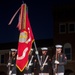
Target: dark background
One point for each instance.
(40, 16)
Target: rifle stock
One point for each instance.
(9, 62)
(56, 58)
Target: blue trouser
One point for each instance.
(14, 70)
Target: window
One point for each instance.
(68, 51)
(2, 59)
(62, 28)
(71, 27)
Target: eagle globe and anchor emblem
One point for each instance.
(24, 39)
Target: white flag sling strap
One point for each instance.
(44, 63)
(30, 64)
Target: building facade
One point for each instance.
(64, 33)
(3, 62)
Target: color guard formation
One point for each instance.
(42, 66)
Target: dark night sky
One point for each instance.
(40, 15)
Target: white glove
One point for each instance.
(10, 72)
(36, 52)
(30, 64)
(9, 64)
(56, 62)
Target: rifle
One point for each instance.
(56, 58)
(9, 63)
(36, 52)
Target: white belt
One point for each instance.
(28, 74)
(43, 73)
(13, 74)
(59, 74)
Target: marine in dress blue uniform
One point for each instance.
(29, 70)
(45, 62)
(58, 61)
(12, 62)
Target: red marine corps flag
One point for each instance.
(25, 39)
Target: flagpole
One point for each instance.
(37, 53)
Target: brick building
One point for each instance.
(64, 33)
